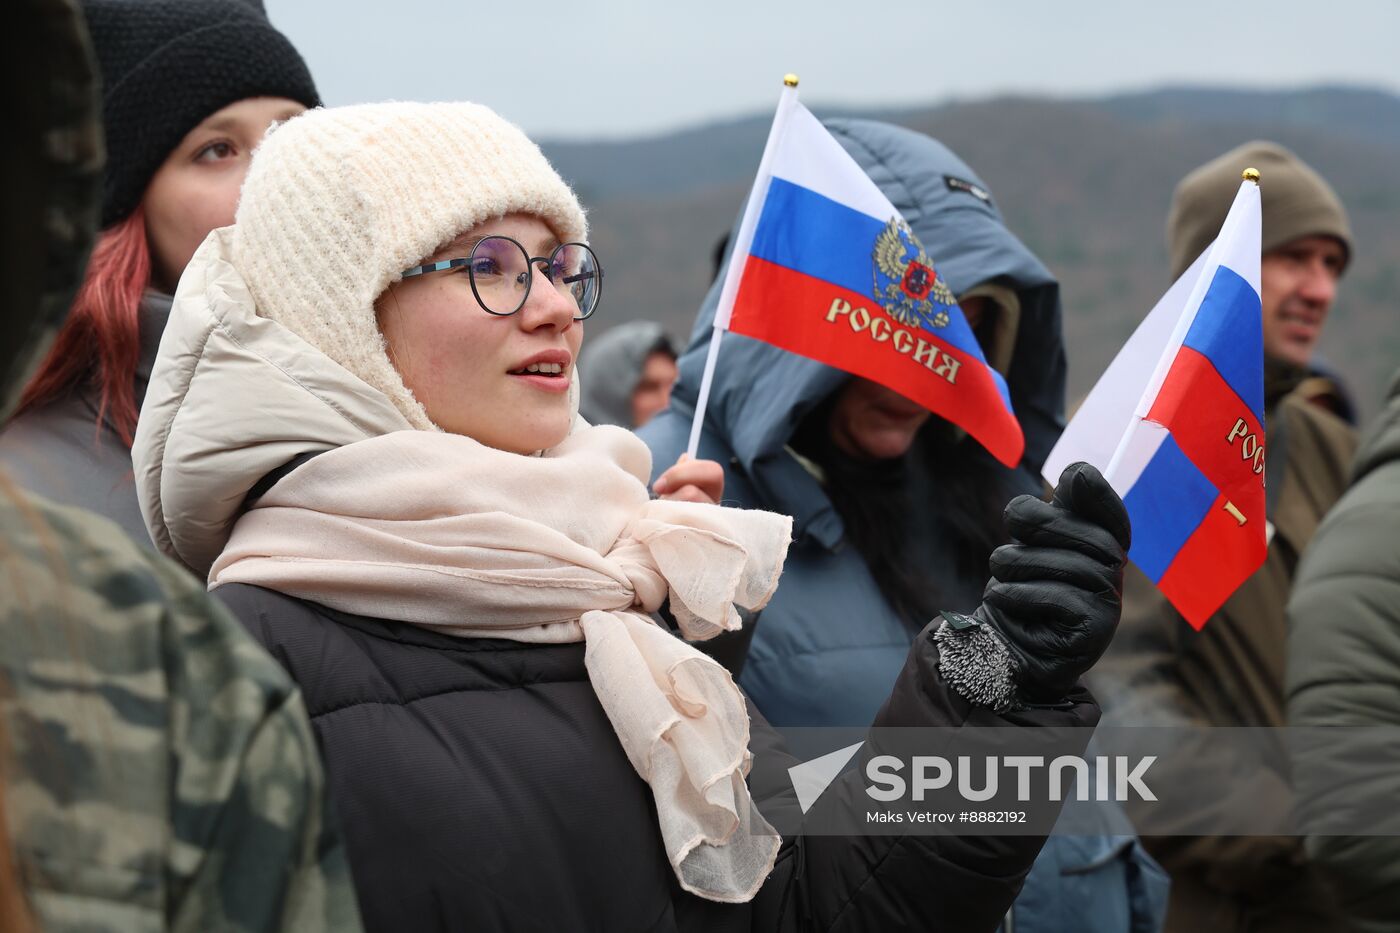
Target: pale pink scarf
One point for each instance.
(439, 530)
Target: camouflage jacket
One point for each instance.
(161, 772)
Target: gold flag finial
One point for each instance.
(1250, 174)
(790, 80)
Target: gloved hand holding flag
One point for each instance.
(825, 267)
(1176, 424)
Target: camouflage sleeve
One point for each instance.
(254, 843)
(160, 772)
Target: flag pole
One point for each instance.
(1249, 175)
(740, 247)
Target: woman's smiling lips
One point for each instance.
(547, 371)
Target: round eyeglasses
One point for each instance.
(501, 273)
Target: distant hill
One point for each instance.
(1085, 183)
(1362, 114)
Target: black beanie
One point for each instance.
(166, 66)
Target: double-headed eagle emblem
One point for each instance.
(906, 284)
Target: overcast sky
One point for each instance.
(616, 69)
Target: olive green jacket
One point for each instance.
(1344, 669)
(1159, 671)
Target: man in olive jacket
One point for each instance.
(1160, 671)
(1344, 670)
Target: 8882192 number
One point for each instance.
(996, 816)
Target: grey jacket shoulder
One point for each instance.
(66, 452)
(63, 453)
(164, 771)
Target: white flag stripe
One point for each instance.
(1137, 454)
(743, 240)
(810, 156)
(738, 254)
(1241, 224)
(1108, 430)
(1239, 239)
(1104, 415)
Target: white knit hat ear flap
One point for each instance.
(338, 202)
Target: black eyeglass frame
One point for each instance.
(530, 263)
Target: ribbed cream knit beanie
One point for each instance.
(338, 202)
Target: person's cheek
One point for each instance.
(222, 203)
(203, 204)
(198, 222)
(173, 222)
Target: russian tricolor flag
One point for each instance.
(825, 267)
(1177, 425)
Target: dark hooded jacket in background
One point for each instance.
(1344, 670)
(610, 367)
(51, 166)
(829, 644)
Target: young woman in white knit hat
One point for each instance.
(362, 427)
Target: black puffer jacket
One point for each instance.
(481, 787)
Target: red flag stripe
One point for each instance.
(1210, 566)
(1216, 430)
(813, 318)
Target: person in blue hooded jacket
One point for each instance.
(895, 510)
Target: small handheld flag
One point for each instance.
(1176, 423)
(825, 267)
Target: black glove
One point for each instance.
(1054, 598)
(1057, 590)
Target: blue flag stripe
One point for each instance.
(812, 234)
(816, 236)
(1166, 505)
(1227, 331)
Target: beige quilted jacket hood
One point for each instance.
(233, 397)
